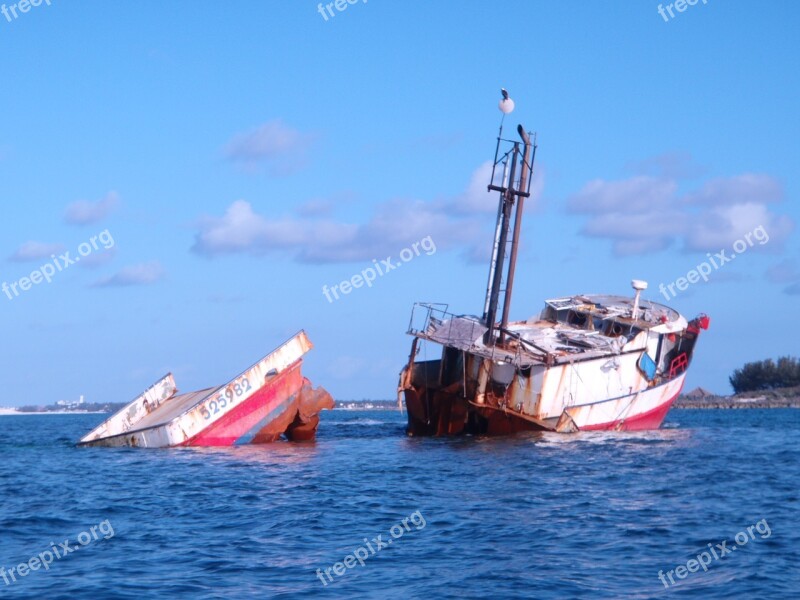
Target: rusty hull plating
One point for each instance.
(578, 366)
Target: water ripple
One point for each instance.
(590, 515)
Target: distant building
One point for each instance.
(367, 404)
(71, 404)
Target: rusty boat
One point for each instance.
(585, 362)
(269, 400)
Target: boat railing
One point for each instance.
(423, 312)
(678, 365)
(432, 321)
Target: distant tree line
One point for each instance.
(766, 375)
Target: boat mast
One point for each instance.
(508, 195)
(496, 245)
(528, 156)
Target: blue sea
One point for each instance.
(366, 512)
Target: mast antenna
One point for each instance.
(513, 189)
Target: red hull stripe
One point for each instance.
(651, 419)
(244, 421)
(273, 414)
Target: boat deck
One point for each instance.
(570, 328)
(172, 408)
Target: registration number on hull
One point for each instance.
(227, 398)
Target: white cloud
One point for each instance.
(84, 212)
(394, 226)
(30, 251)
(242, 230)
(639, 193)
(140, 274)
(721, 226)
(645, 214)
(478, 200)
(98, 258)
(274, 145)
(313, 235)
(748, 188)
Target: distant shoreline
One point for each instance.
(780, 398)
(786, 398)
(730, 404)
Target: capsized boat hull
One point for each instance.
(268, 400)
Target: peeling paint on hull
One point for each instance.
(451, 416)
(651, 419)
(498, 390)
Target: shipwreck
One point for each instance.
(268, 400)
(585, 362)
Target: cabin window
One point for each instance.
(576, 319)
(614, 329)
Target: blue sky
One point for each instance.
(243, 155)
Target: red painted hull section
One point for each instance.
(246, 423)
(651, 419)
(269, 400)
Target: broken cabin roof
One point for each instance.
(568, 329)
